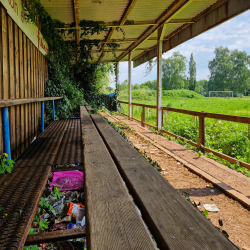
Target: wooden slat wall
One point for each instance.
(22, 75)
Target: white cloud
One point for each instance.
(235, 34)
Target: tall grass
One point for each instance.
(226, 137)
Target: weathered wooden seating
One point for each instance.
(112, 221)
(173, 221)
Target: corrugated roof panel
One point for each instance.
(125, 58)
(69, 37)
(130, 32)
(106, 11)
(147, 44)
(110, 56)
(194, 9)
(61, 10)
(136, 53)
(96, 56)
(172, 27)
(125, 45)
(145, 10)
(100, 36)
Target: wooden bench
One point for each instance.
(20, 193)
(21, 190)
(173, 221)
(112, 221)
(90, 109)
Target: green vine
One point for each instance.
(71, 75)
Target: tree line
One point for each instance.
(229, 71)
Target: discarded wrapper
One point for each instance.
(73, 208)
(211, 207)
(65, 219)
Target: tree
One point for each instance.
(201, 87)
(192, 73)
(123, 86)
(229, 71)
(149, 85)
(173, 69)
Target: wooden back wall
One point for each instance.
(22, 75)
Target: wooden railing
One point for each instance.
(200, 144)
(21, 101)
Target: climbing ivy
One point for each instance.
(74, 81)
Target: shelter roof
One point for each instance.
(140, 20)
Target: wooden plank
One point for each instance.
(22, 101)
(1, 63)
(17, 90)
(173, 221)
(29, 91)
(5, 65)
(26, 107)
(36, 92)
(32, 90)
(44, 74)
(112, 221)
(22, 113)
(232, 118)
(60, 235)
(35, 84)
(1, 82)
(12, 93)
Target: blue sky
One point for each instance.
(235, 34)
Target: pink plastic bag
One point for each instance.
(67, 180)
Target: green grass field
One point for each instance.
(227, 137)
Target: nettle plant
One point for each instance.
(6, 164)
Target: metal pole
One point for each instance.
(129, 86)
(6, 132)
(42, 116)
(54, 113)
(161, 32)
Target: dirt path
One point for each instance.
(235, 217)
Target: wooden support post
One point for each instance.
(143, 117)
(161, 32)
(129, 86)
(117, 75)
(201, 139)
(162, 119)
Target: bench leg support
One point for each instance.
(42, 116)
(6, 132)
(53, 105)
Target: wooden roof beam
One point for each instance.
(166, 16)
(144, 23)
(195, 19)
(123, 19)
(77, 19)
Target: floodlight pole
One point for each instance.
(161, 32)
(129, 86)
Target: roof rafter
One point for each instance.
(195, 19)
(77, 19)
(123, 19)
(144, 23)
(166, 16)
